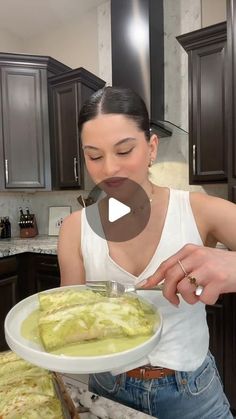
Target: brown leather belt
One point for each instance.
(147, 372)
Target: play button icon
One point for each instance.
(121, 212)
(116, 209)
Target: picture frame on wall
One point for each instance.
(55, 219)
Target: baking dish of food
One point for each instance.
(32, 392)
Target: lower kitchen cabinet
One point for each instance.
(231, 98)
(215, 320)
(37, 272)
(46, 272)
(230, 349)
(8, 292)
(221, 319)
(22, 276)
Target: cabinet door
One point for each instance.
(215, 320)
(230, 349)
(2, 165)
(222, 327)
(8, 300)
(68, 92)
(47, 273)
(24, 127)
(46, 282)
(208, 154)
(232, 188)
(8, 291)
(37, 272)
(231, 97)
(206, 49)
(65, 133)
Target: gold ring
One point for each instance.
(192, 280)
(184, 271)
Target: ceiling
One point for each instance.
(29, 18)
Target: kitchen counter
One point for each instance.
(38, 244)
(91, 406)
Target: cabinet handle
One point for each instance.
(49, 265)
(75, 169)
(6, 170)
(194, 159)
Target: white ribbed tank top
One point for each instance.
(184, 340)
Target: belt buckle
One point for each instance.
(150, 367)
(142, 373)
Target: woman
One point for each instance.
(181, 380)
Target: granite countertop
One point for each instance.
(91, 406)
(38, 244)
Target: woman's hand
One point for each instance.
(213, 269)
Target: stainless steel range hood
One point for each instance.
(137, 40)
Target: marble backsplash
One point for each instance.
(38, 203)
(179, 17)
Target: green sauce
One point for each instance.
(29, 327)
(29, 330)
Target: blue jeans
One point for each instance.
(185, 395)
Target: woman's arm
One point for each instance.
(69, 251)
(214, 269)
(215, 218)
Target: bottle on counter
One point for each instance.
(2, 232)
(7, 227)
(22, 218)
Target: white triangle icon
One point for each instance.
(116, 210)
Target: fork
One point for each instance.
(116, 289)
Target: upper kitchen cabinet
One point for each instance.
(24, 121)
(206, 50)
(231, 98)
(68, 92)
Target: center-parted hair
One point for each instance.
(116, 100)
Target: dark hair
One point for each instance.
(116, 100)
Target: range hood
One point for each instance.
(137, 41)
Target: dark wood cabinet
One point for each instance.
(68, 92)
(40, 99)
(8, 292)
(221, 319)
(206, 50)
(37, 272)
(230, 349)
(47, 273)
(231, 98)
(24, 131)
(22, 276)
(215, 320)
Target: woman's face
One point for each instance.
(114, 147)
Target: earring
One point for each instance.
(150, 163)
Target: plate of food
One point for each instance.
(75, 330)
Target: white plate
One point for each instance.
(35, 353)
